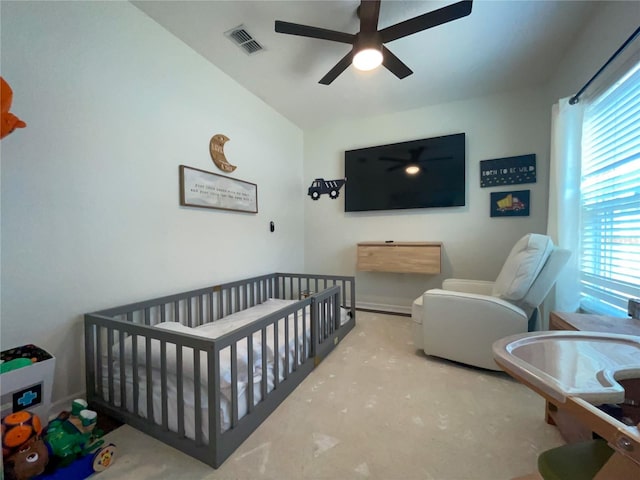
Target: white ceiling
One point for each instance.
(502, 45)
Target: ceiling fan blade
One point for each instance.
(394, 64)
(340, 67)
(396, 167)
(313, 32)
(435, 159)
(416, 152)
(369, 11)
(428, 20)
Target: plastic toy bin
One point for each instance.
(26, 381)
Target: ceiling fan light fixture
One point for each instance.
(369, 44)
(412, 169)
(367, 59)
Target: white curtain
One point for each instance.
(563, 223)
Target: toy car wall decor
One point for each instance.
(320, 186)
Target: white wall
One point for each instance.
(90, 213)
(475, 245)
(609, 27)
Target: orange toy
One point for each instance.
(9, 122)
(17, 428)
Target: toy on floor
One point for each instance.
(24, 453)
(28, 461)
(17, 428)
(75, 444)
(71, 435)
(70, 448)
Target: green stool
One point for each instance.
(575, 461)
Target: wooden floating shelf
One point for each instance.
(400, 257)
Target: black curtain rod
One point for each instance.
(576, 98)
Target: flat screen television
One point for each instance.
(379, 178)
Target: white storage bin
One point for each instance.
(28, 387)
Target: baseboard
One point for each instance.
(383, 307)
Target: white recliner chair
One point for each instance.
(461, 321)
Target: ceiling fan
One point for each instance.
(368, 49)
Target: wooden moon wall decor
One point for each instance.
(216, 148)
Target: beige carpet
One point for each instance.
(376, 409)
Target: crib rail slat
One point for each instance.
(90, 359)
(234, 384)
(213, 307)
(297, 340)
(220, 304)
(110, 363)
(306, 332)
(286, 347)
(164, 395)
(123, 380)
(197, 396)
(99, 356)
(276, 364)
(250, 401)
(263, 383)
(136, 375)
(213, 401)
(180, 392)
(149, 376)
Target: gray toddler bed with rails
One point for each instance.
(201, 370)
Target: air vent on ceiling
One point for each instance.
(243, 39)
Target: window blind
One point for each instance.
(610, 198)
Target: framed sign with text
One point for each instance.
(199, 188)
(508, 171)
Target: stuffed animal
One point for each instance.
(17, 429)
(8, 121)
(24, 452)
(30, 460)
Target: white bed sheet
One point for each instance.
(188, 400)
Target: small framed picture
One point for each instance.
(510, 204)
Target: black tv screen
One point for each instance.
(378, 178)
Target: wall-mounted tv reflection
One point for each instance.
(427, 173)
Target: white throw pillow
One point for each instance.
(521, 268)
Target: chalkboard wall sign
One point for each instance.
(508, 171)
